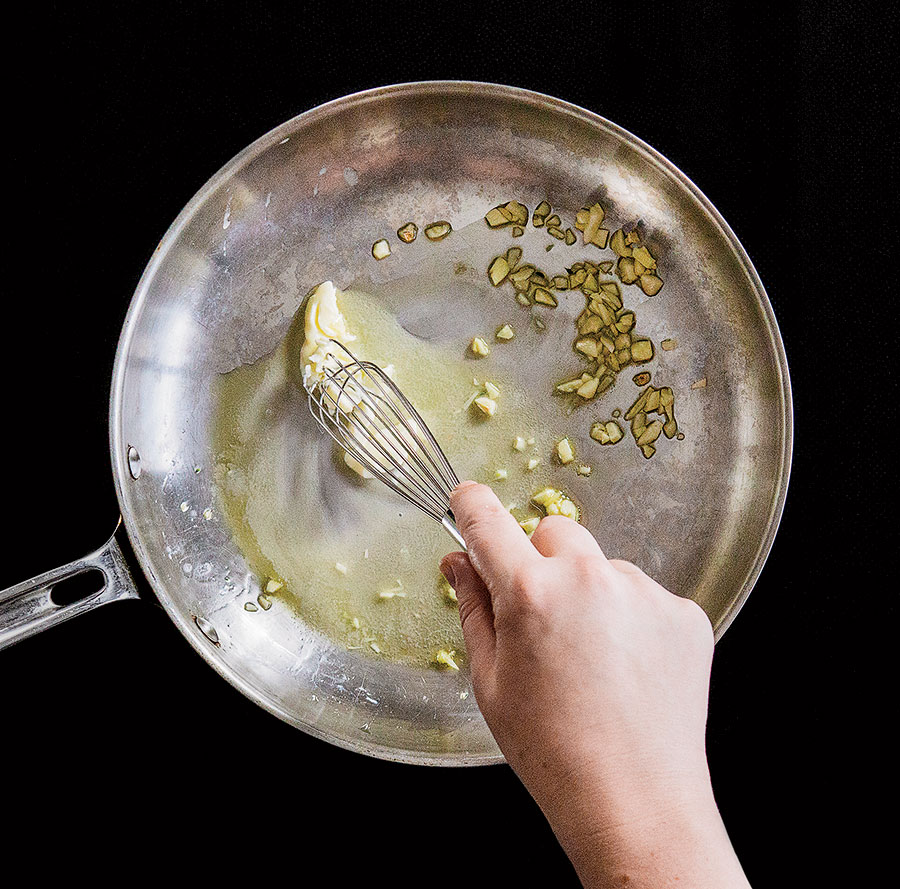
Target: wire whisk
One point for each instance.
(365, 412)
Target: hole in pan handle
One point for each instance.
(65, 592)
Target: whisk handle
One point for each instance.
(449, 522)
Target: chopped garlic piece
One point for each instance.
(447, 590)
(471, 399)
(575, 384)
(394, 591)
(340, 567)
(437, 231)
(498, 271)
(588, 389)
(644, 257)
(505, 333)
(641, 351)
(491, 390)
(273, 586)
(496, 218)
(565, 451)
(479, 347)
(486, 405)
(529, 526)
(607, 433)
(445, 658)
(519, 443)
(533, 462)
(381, 249)
(584, 470)
(650, 284)
(408, 232)
(555, 502)
(501, 474)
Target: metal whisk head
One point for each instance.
(365, 412)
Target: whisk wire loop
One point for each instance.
(365, 412)
(377, 438)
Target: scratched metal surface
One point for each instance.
(301, 205)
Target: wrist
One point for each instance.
(651, 840)
(614, 822)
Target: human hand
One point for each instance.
(594, 681)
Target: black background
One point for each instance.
(122, 115)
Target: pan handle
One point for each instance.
(28, 607)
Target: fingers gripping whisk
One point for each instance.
(365, 412)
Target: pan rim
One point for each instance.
(489, 90)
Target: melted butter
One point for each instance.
(297, 511)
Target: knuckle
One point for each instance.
(697, 620)
(553, 524)
(693, 626)
(525, 595)
(588, 571)
(626, 567)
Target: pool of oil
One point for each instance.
(335, 541)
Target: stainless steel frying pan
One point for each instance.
(304, 203)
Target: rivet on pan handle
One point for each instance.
(28, 607)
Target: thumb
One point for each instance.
(475, 612)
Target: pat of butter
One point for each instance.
(318, 355)
(324, 322)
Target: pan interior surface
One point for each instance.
(304, 204)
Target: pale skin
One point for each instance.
(594, 680)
